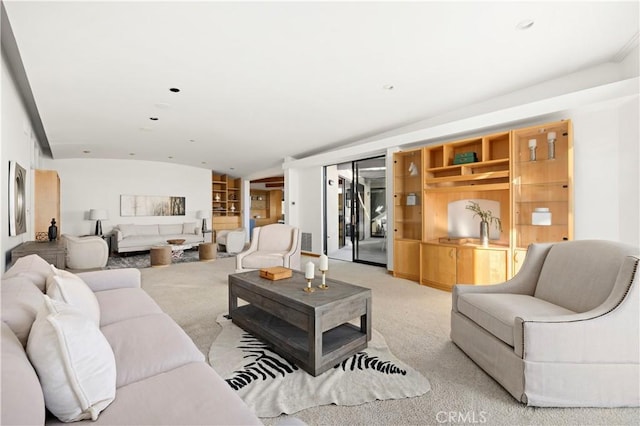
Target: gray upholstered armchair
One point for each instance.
(564, 332)
(271, 245)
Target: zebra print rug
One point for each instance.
(271, 386)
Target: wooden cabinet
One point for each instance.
(226, 201)
(266, 206)
(225, 195)
(542, 184)
(533, 196)
(46, 201)
(407, 213)
(445, 265)
(439, 266)
(542, 168)
(406, 255)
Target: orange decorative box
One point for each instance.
(275, 273)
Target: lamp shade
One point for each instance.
(98, 214)
(201, 214)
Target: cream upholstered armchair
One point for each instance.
(231, 241)
(86, 252)
(271, 245)
(564, 332)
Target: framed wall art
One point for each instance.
(150, 205)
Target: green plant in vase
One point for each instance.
(486, 218)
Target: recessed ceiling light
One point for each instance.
(132, 153)
(170, 157)
(388, 87)
(153, 118)
(232, 168)
(525, 24)
(86, 151)
(174, 90)
(204, 162)
(192, 140)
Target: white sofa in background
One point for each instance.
(231, 240)
(564, 331)
(85, 252)
(129, 238)
(148, 368)
(271, 245)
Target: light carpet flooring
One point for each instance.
(413, 319)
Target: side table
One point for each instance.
(52, 251)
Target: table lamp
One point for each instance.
(202, 215)
(98, 215)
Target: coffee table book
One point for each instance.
(275, 273)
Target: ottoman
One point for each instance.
(207, 251)
(160, 255)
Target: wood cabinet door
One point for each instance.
(406, 260)
(481, 266)
(439, 266)
(518, 259)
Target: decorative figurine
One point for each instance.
(53, 230)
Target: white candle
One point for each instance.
(309, 270)
(551, 135)
(324, 263)
(532, 143)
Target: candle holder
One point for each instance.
(308, 288)
(324, 285)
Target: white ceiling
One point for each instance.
(263, 81)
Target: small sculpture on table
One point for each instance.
(53, 230)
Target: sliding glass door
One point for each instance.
(356, 211)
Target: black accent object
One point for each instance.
(53, 230)
(174, 90)
(98, 227)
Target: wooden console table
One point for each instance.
(53, 252)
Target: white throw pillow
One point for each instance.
(127, 230)
(75, 364)
(189, 228)
(70, 288)
(32, 267)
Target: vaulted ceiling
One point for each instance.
(260, 81)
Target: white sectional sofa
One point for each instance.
(129, 238)
(127, 362)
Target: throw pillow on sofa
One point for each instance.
(32, 267)
(75, 364)
(70, 288)
(190, 228)
(20, 302)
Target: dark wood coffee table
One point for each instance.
(311, 330)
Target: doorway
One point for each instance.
(356, 211)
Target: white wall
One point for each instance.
(19, 144)
(607, 176)
(332, 209)
(306, 209)
(97, 184)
